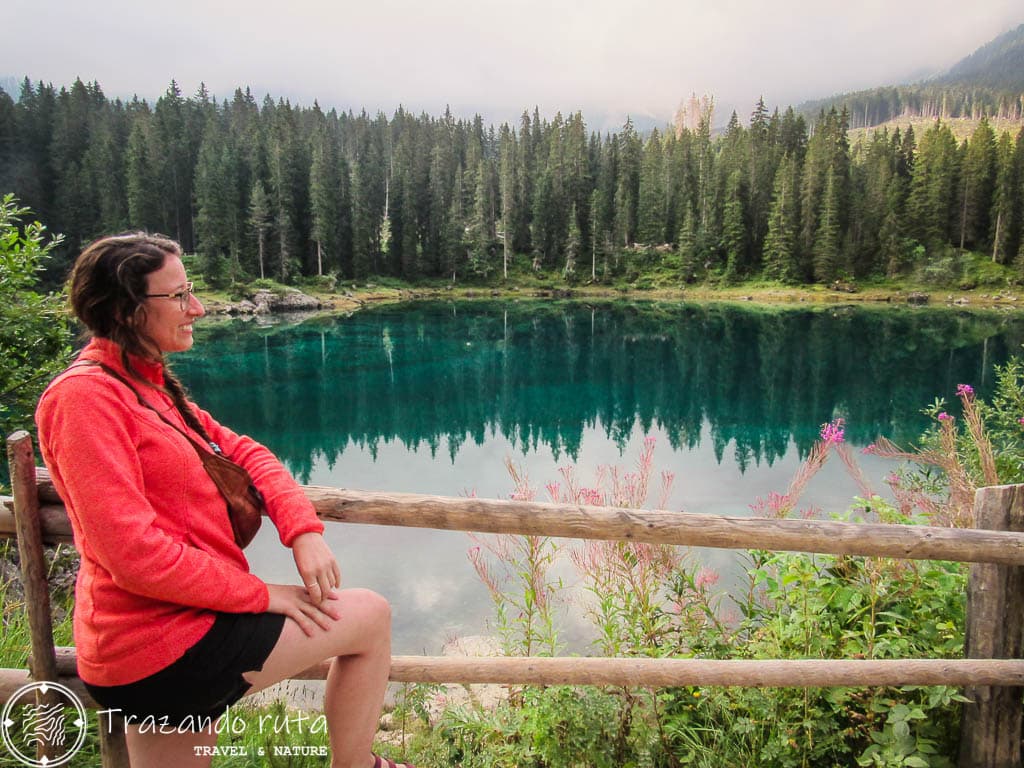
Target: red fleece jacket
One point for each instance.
(158, 556)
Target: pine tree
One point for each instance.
(651, 205)
(707, 226)
(689, 259)
(8, 139)
(780, 245)
(826, 242)
(260, 221)
(482, 226)
(977, 187)
(75, 209)
(364, 226)
(509, 189)
(174, 164)
(1005, 202)
(522, 221)
(735, 229)
(762, 159)
(216, 204)
(1017, 211)
(931, 205)
(144, 210)
(33, 171)
(324, 202)
(627, 193)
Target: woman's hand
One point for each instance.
(317, 567)
(295, 603)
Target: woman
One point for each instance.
(169, 622)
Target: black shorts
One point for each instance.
(205, 680)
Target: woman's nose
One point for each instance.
(195, 306)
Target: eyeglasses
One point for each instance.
(184, 297)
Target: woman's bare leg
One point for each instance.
(360, 644)
(147, 749)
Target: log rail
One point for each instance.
(991, 674)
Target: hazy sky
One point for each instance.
(605, 57)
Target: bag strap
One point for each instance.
(144, 402)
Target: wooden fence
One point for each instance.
(991, 672)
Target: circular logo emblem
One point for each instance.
(61, 724)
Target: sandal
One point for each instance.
(383, 762)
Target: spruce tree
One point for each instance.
(735, 229)
(1005, 202)
(509, 188)
(216, 206)
(651, 205)
(627, 194)
(825, 251)
(260, 221)
(780, 245)
(977, 187)
(932, 201)
(689, 260)
(324, 202)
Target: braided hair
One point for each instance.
(107, 291)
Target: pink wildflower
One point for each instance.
(1020, 420)
(554, 491)
(944, 417)
(833, 432)
(964, 390)
(869, 450)
(706, 578)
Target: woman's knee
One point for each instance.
(364, 611)
(373, 608)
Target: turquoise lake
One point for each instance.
(434, 397)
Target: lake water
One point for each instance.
(434, 397)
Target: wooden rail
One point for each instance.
(992, 674)
(916, 542)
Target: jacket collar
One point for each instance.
(109, 353)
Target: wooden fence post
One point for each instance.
(42, 661)
(990, 729)
(43, 658)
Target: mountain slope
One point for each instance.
(998, 65)
(989, 82)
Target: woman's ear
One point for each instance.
(133, 319)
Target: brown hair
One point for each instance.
(107, 290)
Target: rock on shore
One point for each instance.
(263, 302)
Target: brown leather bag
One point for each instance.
(245, 503)
(244, 500)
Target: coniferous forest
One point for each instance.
(268, 189)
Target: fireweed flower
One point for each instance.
(944, 417)
(964, 390)
(706, 578)
(869, 450)
(833, 432)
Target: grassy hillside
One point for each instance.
(962, 127)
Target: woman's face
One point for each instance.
(167, 325)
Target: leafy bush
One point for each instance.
(325, 283)
(34, 332)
